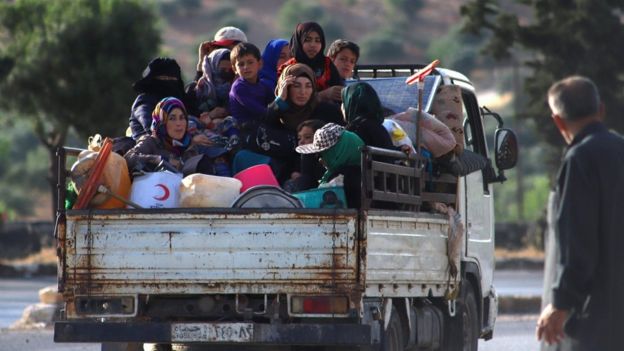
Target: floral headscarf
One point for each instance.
(160, 117)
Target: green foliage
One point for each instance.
(456, 50)
(73, 63)
(297, 11)
(23, 164)
(381, 47)
(563, 38)
(537, 188)
(407, 8)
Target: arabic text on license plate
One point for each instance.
(222, 332)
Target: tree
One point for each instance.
(383, 46)
(22, 167)
(562, 38)
(70, 64)
(457, 50)
(406, 8)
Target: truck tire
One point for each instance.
(392, 339)
(461, 333)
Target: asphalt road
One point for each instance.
(513, 333)
(37, 340)
(519, 282)
(16, 294)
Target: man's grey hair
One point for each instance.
(574, 98)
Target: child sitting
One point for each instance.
(344, 54)
(213, 87)
(310, 170)
(340, 153)
(248, 97)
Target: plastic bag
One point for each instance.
(397, 134)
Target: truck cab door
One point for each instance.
(477, 197)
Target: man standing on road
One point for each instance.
(587, 295)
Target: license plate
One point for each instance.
(212, 332)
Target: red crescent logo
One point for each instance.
(166, 194)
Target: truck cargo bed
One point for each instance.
(192, 251)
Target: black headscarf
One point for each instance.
(162, 78)
(296, 45)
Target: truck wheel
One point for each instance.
(461, 333)
(392, 339)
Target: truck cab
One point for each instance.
(284, 278)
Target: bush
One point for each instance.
(381, 47)
(506, 206)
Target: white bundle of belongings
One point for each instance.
(202, 190)
(441, 133)
(447, 107)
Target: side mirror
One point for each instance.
(506, 149)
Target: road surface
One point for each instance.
(512, 333)
(16, 294)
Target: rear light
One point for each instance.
(109, 306)
(319, 305)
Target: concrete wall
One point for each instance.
(20, 239)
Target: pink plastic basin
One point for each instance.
(256, 175)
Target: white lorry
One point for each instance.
(267, 278)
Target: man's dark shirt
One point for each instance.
(590, 238)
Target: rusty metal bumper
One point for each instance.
(262, 334)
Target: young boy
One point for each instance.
(248, 97)
(344, 54)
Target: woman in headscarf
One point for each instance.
(225, 38)
(169, 142)
(276, 134)
(213, 88)
(161, 78)
(364, 115)
(274, 55)
(297, 100)
(307, 46)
